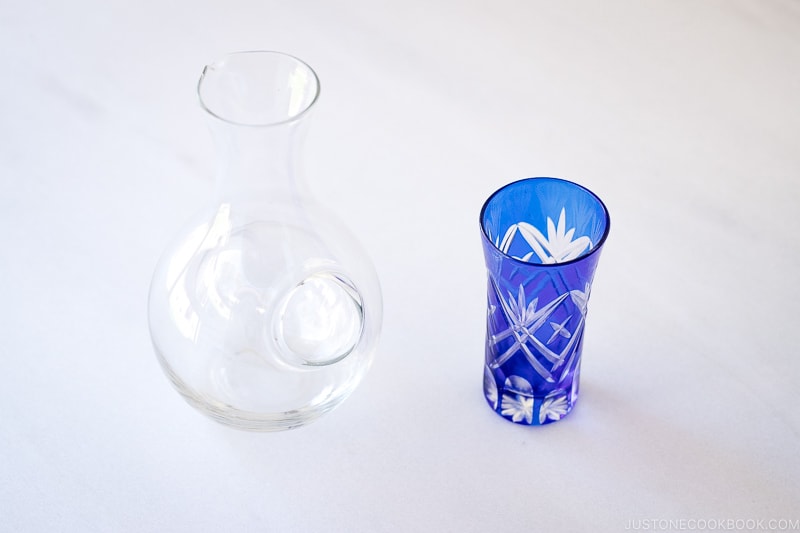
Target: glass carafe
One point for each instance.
(264, 311)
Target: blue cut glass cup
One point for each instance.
(542, 239)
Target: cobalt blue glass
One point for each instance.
(542, 239)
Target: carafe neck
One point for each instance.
(259, 164)
(258, 104)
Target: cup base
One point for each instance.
(514, 400)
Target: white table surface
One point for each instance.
(683, 116)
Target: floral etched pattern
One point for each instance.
(557, 247)
(553, 407)
(518, 400)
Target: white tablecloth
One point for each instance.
(683, 116)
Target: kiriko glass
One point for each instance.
(264, 311)
(542, 239)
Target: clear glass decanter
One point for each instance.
(264, 311)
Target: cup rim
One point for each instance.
(595, 249)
